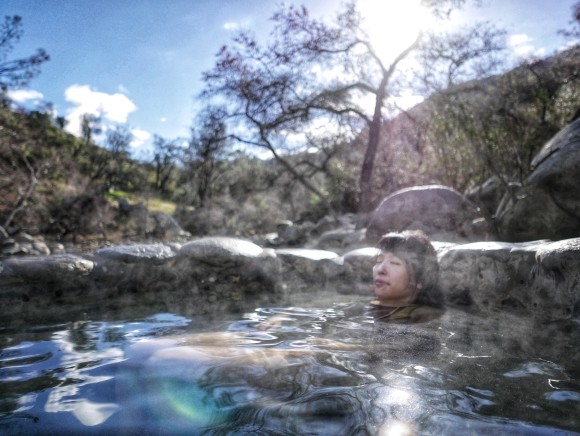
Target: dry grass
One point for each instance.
(152, 202)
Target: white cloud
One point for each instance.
(24, 95)
(519, 39)
(231, 25)
(141, 146)
(110, 107)
(139, 137)
(523, 46)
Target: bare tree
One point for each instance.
(207, 148)
(314, 73)
(18, 72)
(574, 30)
(165, 158)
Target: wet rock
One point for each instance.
(221, 274)
(536, 278)
(229, 272)
(357, 274)
(139, 253)
(439, 211)
(305, 269)
(42, 288)
(219, 249)
(59, 267)
(553, 184)
(556, 280)
(132, 267)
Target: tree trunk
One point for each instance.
(366, 173)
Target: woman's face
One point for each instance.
(392, 282)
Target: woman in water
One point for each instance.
(405, 279)
(316, 377)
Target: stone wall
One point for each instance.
(216, 275)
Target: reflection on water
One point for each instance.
(313, 371)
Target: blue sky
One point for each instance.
(140, 61)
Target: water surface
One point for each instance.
(314, 371)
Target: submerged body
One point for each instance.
(404, 282)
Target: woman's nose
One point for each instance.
(382, 267)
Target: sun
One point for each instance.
(393, 25)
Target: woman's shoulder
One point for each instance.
(425, 313)
(413, 313)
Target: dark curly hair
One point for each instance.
(415, 248)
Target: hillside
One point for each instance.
(67, 188)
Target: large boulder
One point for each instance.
(441, 212)
(547, 206)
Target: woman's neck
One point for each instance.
(393, 303)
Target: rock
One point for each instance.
(9, 247)
(536, 278)
(218, 249)
(57, 268)
(141, 221)
(306, 269)
(56, 248)
(219, 274)
(155, 254)
(553, 184)
(357, 276)
(325, 224)
(40, 248)
(441, 212)
(228, 274)
(23, 244)
(488, 194)
(291, 235)
(166, 227)
(347, 236)
(23, 238)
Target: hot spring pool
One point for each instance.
(317, 371)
